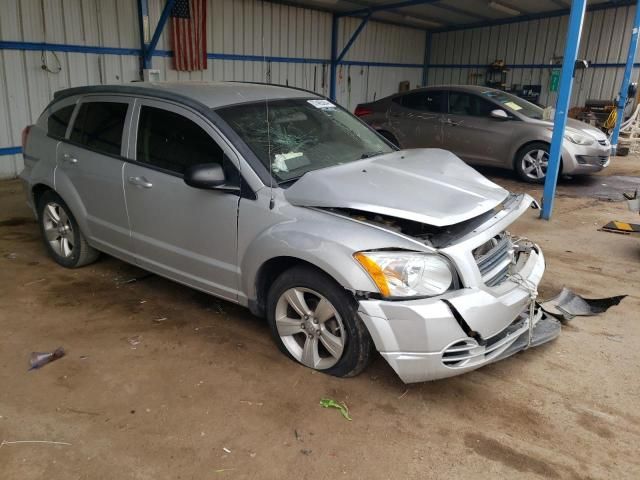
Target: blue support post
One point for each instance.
(626, 79)
(143, 24)
(574, 32)
(427, 58)
(335, 58)
(166, 11)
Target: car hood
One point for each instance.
(424, 185)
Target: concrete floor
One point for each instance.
(208, 378)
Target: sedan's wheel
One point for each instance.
(532, 162)
(58, 230)
(62, 236)
(310, 328)
(315, 322)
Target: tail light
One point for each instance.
(25, 134)
(362, 111)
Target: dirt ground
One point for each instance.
(204, 376)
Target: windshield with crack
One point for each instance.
(302, 135)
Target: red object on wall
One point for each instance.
(189, 23)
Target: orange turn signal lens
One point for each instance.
(374, 270)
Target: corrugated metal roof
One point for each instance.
(453, 14)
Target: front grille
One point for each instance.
(494, 259)
(603, 160)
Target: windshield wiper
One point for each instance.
(371, 154)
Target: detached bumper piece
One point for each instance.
(516, 337)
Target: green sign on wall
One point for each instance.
(554, 80)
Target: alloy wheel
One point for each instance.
(58, 229)
(310, 328)
(534, 164)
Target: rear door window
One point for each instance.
(172, 142)
(429, 101)
(99, 126)
(58, 121)
(462, 103)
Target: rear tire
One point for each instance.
(61, 234)
(315, 322)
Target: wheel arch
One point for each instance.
(267, 274)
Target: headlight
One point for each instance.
(407, 274)
(578, 139)
(575, 137)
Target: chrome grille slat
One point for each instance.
(494, 263)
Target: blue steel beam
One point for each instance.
(143, 13)
(574, 32)
(626, 79)
(334, 58)
(166, 11)
(384, 7)
(353, 38)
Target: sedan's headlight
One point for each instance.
(577, 138)
(407, 274)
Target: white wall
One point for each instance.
(605, 40)
(236, 27)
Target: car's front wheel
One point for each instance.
(532, 161)
(62, 236)
(315, 322)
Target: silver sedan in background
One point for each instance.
(484, 126)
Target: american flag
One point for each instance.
(189, 21)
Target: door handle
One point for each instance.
(69, 158)
(451, 123)
(140, 182)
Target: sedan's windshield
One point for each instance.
(515, 104)
(302, 135)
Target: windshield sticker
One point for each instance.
(513, 106)
(321, 103)
(280, 161)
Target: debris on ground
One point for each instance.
(247, 402)
(298, 435)
(226, 450)
(18, 442)
(11, 256)
(623, 228)
(569, 304)
(33, 282)
(39, 359)
(306, 451)
(136, 279)
(160, 320)
(330, 403)
(134, 341)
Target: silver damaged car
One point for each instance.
(279, 200)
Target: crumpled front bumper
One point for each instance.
(432, 338)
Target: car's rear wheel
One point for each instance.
(61, 234)
(315, 322)
(532, 161)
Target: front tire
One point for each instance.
(532, 161)
(315, 322)
(62, 237)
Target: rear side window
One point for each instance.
(433, 101)
(58, 121)
(99, 126)
(172, 142)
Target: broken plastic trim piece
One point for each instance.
(568, 305)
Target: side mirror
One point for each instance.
(204, 175)
(499, 114)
